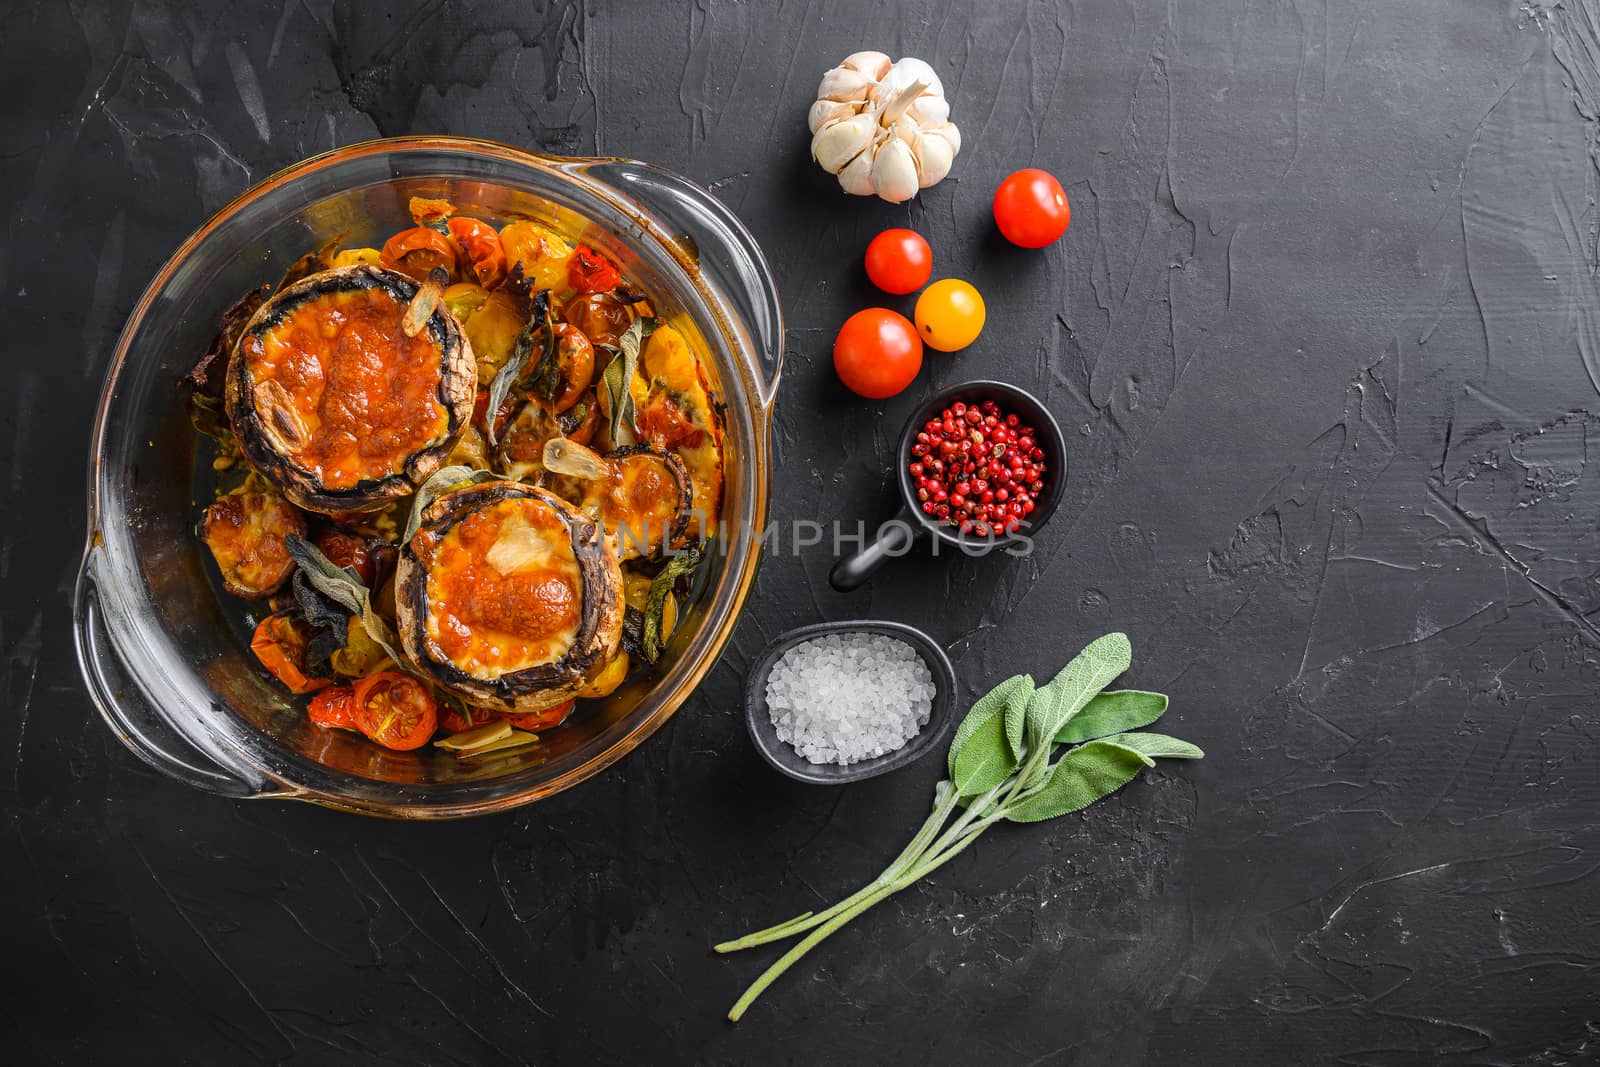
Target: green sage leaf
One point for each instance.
(1078, 779)
(1016, 718)
(1112, 713)
(985, 760)
(1158, 745)
(443, 479)
(990, 704)
(1053, 706)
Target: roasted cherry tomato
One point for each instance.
(1031, 208)
(279, 642)
(547, 719)
(601, 316)
(457, 718)
(611, 675)
(579, 422)
(590, 272)
(480, 413)
(416, 251)
(425, 210)
(395, 710)
(345, 549)
(949, 314)
(334, 708)
(899, 261)
(575, 363)
(877, 353)
(542, 255)
(480, 243)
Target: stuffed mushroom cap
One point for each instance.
(508, 596)
(335, 404)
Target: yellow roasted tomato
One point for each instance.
(492, 331)
(543, 256)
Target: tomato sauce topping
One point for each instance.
(362, 397)
(503, 588)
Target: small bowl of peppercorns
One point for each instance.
(981, 465)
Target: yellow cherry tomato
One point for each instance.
(949, 315)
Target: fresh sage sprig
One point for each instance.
(1000, 770)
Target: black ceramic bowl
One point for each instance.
(897, 536)
(786, 759)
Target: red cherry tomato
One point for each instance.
(1031, 209)
(590, 272)
(457, 718)
(334, 708)
(548, 719)
(417, 251)
(481, 243)
(279, 642)
(877, 353)
(345, 549)
(395, 710)
(899, 261)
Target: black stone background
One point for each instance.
(1326, 341)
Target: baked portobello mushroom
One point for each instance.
(336, 403)
(509, 597)
(245, 533)
(642, 497)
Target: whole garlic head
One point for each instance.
(883, 126)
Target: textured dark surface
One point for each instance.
(1325, 336)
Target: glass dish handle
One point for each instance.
(135, 720)
(718, 241)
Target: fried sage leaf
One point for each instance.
(440, 482)
(341, 585)
(655, 604)
(508, 376)
(616, 379)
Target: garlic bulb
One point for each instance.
(883, 126)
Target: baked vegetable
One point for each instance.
(641, 496)
(508, 597)
(601, 316)
(331, 400)
(678, 415)
(245, 533)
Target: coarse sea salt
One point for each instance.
(843, 698)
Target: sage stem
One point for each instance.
(913, 852)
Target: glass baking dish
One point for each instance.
(174, 678)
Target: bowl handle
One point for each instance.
(130, 713)
(724, 250)
(894, 538)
